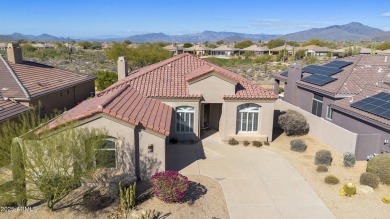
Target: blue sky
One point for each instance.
(92, 18)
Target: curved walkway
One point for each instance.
(256, 183)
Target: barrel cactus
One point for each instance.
(349, 189)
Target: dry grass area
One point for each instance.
(364, 204)
(205, 200)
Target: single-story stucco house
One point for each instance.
(174, 100)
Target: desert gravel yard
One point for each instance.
(205, 200)
(366, 204)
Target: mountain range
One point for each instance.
(349, 32)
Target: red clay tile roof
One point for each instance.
(10, 109)
(169, 79)
(126, 104)
(39, 79)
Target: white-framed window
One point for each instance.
(329, 112)
(317, 105)
(185, 119)
(247, 118)
(105, 156)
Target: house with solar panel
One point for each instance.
(25, 84)
(179, 100)
(352, 93)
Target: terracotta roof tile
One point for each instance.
(169, 79)
(124, 103)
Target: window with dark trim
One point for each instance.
(317, 105)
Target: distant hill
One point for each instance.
(385, 36)
(210, 36)
(349, 32)
(39, 38)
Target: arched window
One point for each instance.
(185, 119)
(247, 117)
(106, 154)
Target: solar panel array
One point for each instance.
(378, 105)
(318, 79)
(338, 64)
(321, 75)
(322, 70)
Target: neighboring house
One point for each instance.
(361, 50)
(178, 99)
(174, 49)
(277, 50)
(33, 84)
(197, 50)
(257, 50)
(10, 109)
(225, 50)
(314, 50)
(3, 46)
(353, 93)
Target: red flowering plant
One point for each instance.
(169, 186)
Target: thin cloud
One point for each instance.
(387, 14)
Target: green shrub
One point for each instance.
(322, 169)
(323, 157)
(266, 143)
(233, 141)
(380, 166)
(369, 179)
(331, 179)
(349, 159)
(298, 145)
(293, 123)
(246, 143)
(169, 186)
(257, 143)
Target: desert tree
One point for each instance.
(53, 165)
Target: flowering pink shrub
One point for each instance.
(169, 186)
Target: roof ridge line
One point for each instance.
(110, 99)
(15, 77)
(158, 64)
(345, 79)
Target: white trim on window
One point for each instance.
(329, 112)
(115, 141)
(248, 118)
(185, 119)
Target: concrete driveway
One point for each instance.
(256, 183)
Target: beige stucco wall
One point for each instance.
(265, 122)
(125, 133)
(212, 88)
(327, 132)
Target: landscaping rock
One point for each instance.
(365, 189)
